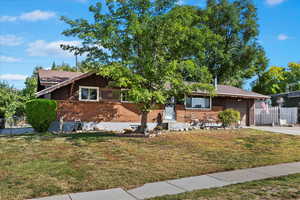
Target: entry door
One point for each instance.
(170, 114)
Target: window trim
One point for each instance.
(121, 96)
(210, 102)
(88, 87)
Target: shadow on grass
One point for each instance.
(89, 136)
(95, 136)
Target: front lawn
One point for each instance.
(283, 188)
(35, 166)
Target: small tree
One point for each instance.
(229, 117)
(41, 113)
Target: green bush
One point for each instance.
(40, 113)
(229, 116)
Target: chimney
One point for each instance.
(216, 82)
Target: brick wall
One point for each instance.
(124, 112)
(103, 112)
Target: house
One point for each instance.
(86, 97)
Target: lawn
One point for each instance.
(36, 166)
(283, 188)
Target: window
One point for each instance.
(88, 93)
(109, 94)
(196, 102)
(125, 96)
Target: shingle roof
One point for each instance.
(234, 91)
(64, 83)
(64, 78)
(53, 77)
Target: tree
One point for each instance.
(137, 45)
(30, 87)
(31, 84)
(278, 80)
(236, 55)
(11, 102)
(63, 67)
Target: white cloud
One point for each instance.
(10, 40)
(9, 59)
(274, 2)
(43, 48)
(283, 37)
(13, 77)
(8, 18)
(36, 15)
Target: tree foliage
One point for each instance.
(145, 46)
(11, 102)
(236, 56)
(278, 79)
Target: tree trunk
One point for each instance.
(144, 119)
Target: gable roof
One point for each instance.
(222, 90)
(54, 77)
(64, 83)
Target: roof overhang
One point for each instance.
(62, 84)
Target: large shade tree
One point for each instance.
(146, 46)
(237, 56)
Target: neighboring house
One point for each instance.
(291, 99)
(86, 97)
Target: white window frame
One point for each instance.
(88, 87)
(210, 103)
(121, 96)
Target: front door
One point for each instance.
(169, 114)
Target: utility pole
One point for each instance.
(76, 62)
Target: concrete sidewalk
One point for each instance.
(177, 186)
(278, 129)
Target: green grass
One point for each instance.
(283, 188)
(35, 166)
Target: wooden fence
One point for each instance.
(271, 116)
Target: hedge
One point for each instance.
(41, 113)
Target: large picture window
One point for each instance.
(196, 102)
(88, 93)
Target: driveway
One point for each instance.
(284, 130)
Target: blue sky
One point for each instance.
(30, 33)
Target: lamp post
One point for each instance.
(280, 102)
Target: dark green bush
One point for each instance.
(40, 113)
(229, 117)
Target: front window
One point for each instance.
(109, 94)
(196, 102)
(88, 93)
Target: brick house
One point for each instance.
(86, 97)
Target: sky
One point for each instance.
(30, 33)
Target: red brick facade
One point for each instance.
(72, 109)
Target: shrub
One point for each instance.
(229, 116)
(40, 113)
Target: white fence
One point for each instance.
(271, 116)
